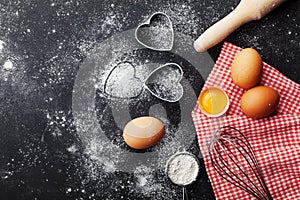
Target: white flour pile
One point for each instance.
(183, 169)
(8, 65)
(122, 82)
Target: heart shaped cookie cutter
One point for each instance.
(167, 43)
(179, 89)
(133, 89)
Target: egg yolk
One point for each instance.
(213, 100)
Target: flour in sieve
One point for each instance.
(183, 169)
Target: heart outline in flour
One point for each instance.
(134, 76)
(148, 23)
(177, 82)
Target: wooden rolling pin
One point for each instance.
(246, 11)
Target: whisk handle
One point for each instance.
(184, 193)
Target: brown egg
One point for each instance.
(259, 101)
(246, 69)
(143, 132)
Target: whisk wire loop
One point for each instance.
(239, 182)
(234, 160)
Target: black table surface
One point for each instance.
(47, 41)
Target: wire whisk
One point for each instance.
(233, 158)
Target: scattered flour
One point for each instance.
(146, 180)
(61, 61)
(1, 45)
(8, 65)
(72, 149)
(103, 156)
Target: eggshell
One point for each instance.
(213, 101)
(259, 101)
(246, 69)
(143, 132)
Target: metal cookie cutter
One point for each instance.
(126, 84)
(156, 33)
(164, 82)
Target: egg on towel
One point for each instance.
(260, 101)
(247, 68)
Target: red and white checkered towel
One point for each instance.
(275, 139)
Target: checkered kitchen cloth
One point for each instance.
(275, 139)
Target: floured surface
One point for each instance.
(44, 43)
(101, 132)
